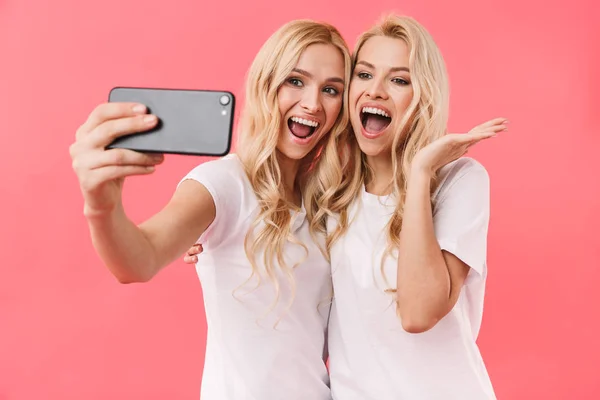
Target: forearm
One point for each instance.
(424, 285)
(136, 253)
(123, 247)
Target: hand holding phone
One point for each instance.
(100, 171)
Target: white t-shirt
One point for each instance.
(371, 356)
(247, 356)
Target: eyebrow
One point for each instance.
(309, 75)
(395, 69)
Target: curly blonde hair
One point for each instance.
(259, 132)
(424, 121)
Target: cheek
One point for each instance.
(353, 95)
(402, 101)
(337, 108)
(332, 110)
(284, 100)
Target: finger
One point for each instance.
(108, 131)
(490, 123)
(497, 128)
(196, 249)
(193, 250)
(493, 128)
(474, 137)
(480, 137)
(108, 111)
(462, 138)
(122, 157)
(489, 134)
(113, 172)
(190, 259)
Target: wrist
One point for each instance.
(100, 213)
(420, 172)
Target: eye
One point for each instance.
(364, 75)
(295, 82)
(331, 90)
(400, 81)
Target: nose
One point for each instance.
(376, 89)
(311, 101)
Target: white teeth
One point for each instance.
(373, 110)
(306, 122)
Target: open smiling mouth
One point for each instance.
(302, 128)
(374, 120)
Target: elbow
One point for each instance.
(418, 325)
(416, 322)
(124, 280)
(131, 278)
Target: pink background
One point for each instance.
(69, 331)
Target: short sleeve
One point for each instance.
(224, 181)
(461, 212)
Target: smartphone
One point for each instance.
(190, 122)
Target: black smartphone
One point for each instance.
(190, 122)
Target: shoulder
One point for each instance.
(229, 166)
(465, 168)
(462, 173)
(224, 178)
(461, 168)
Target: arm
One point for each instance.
(430, 278)
(133, 254)
(136, 253)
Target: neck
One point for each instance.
(289, 172)
(383, 176)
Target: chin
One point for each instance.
(292, 152)
(371, 149)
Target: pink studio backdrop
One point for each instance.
(68, 330)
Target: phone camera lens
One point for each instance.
(224, 100)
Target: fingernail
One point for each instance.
(150, 168)
(139, 109)
(149, 119)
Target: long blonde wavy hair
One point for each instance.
(424, 121)
(260, 127)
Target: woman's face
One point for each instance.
(310, 99)
(380, 93)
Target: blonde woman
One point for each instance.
(408, 240)
(266, 281)
(407, 231)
